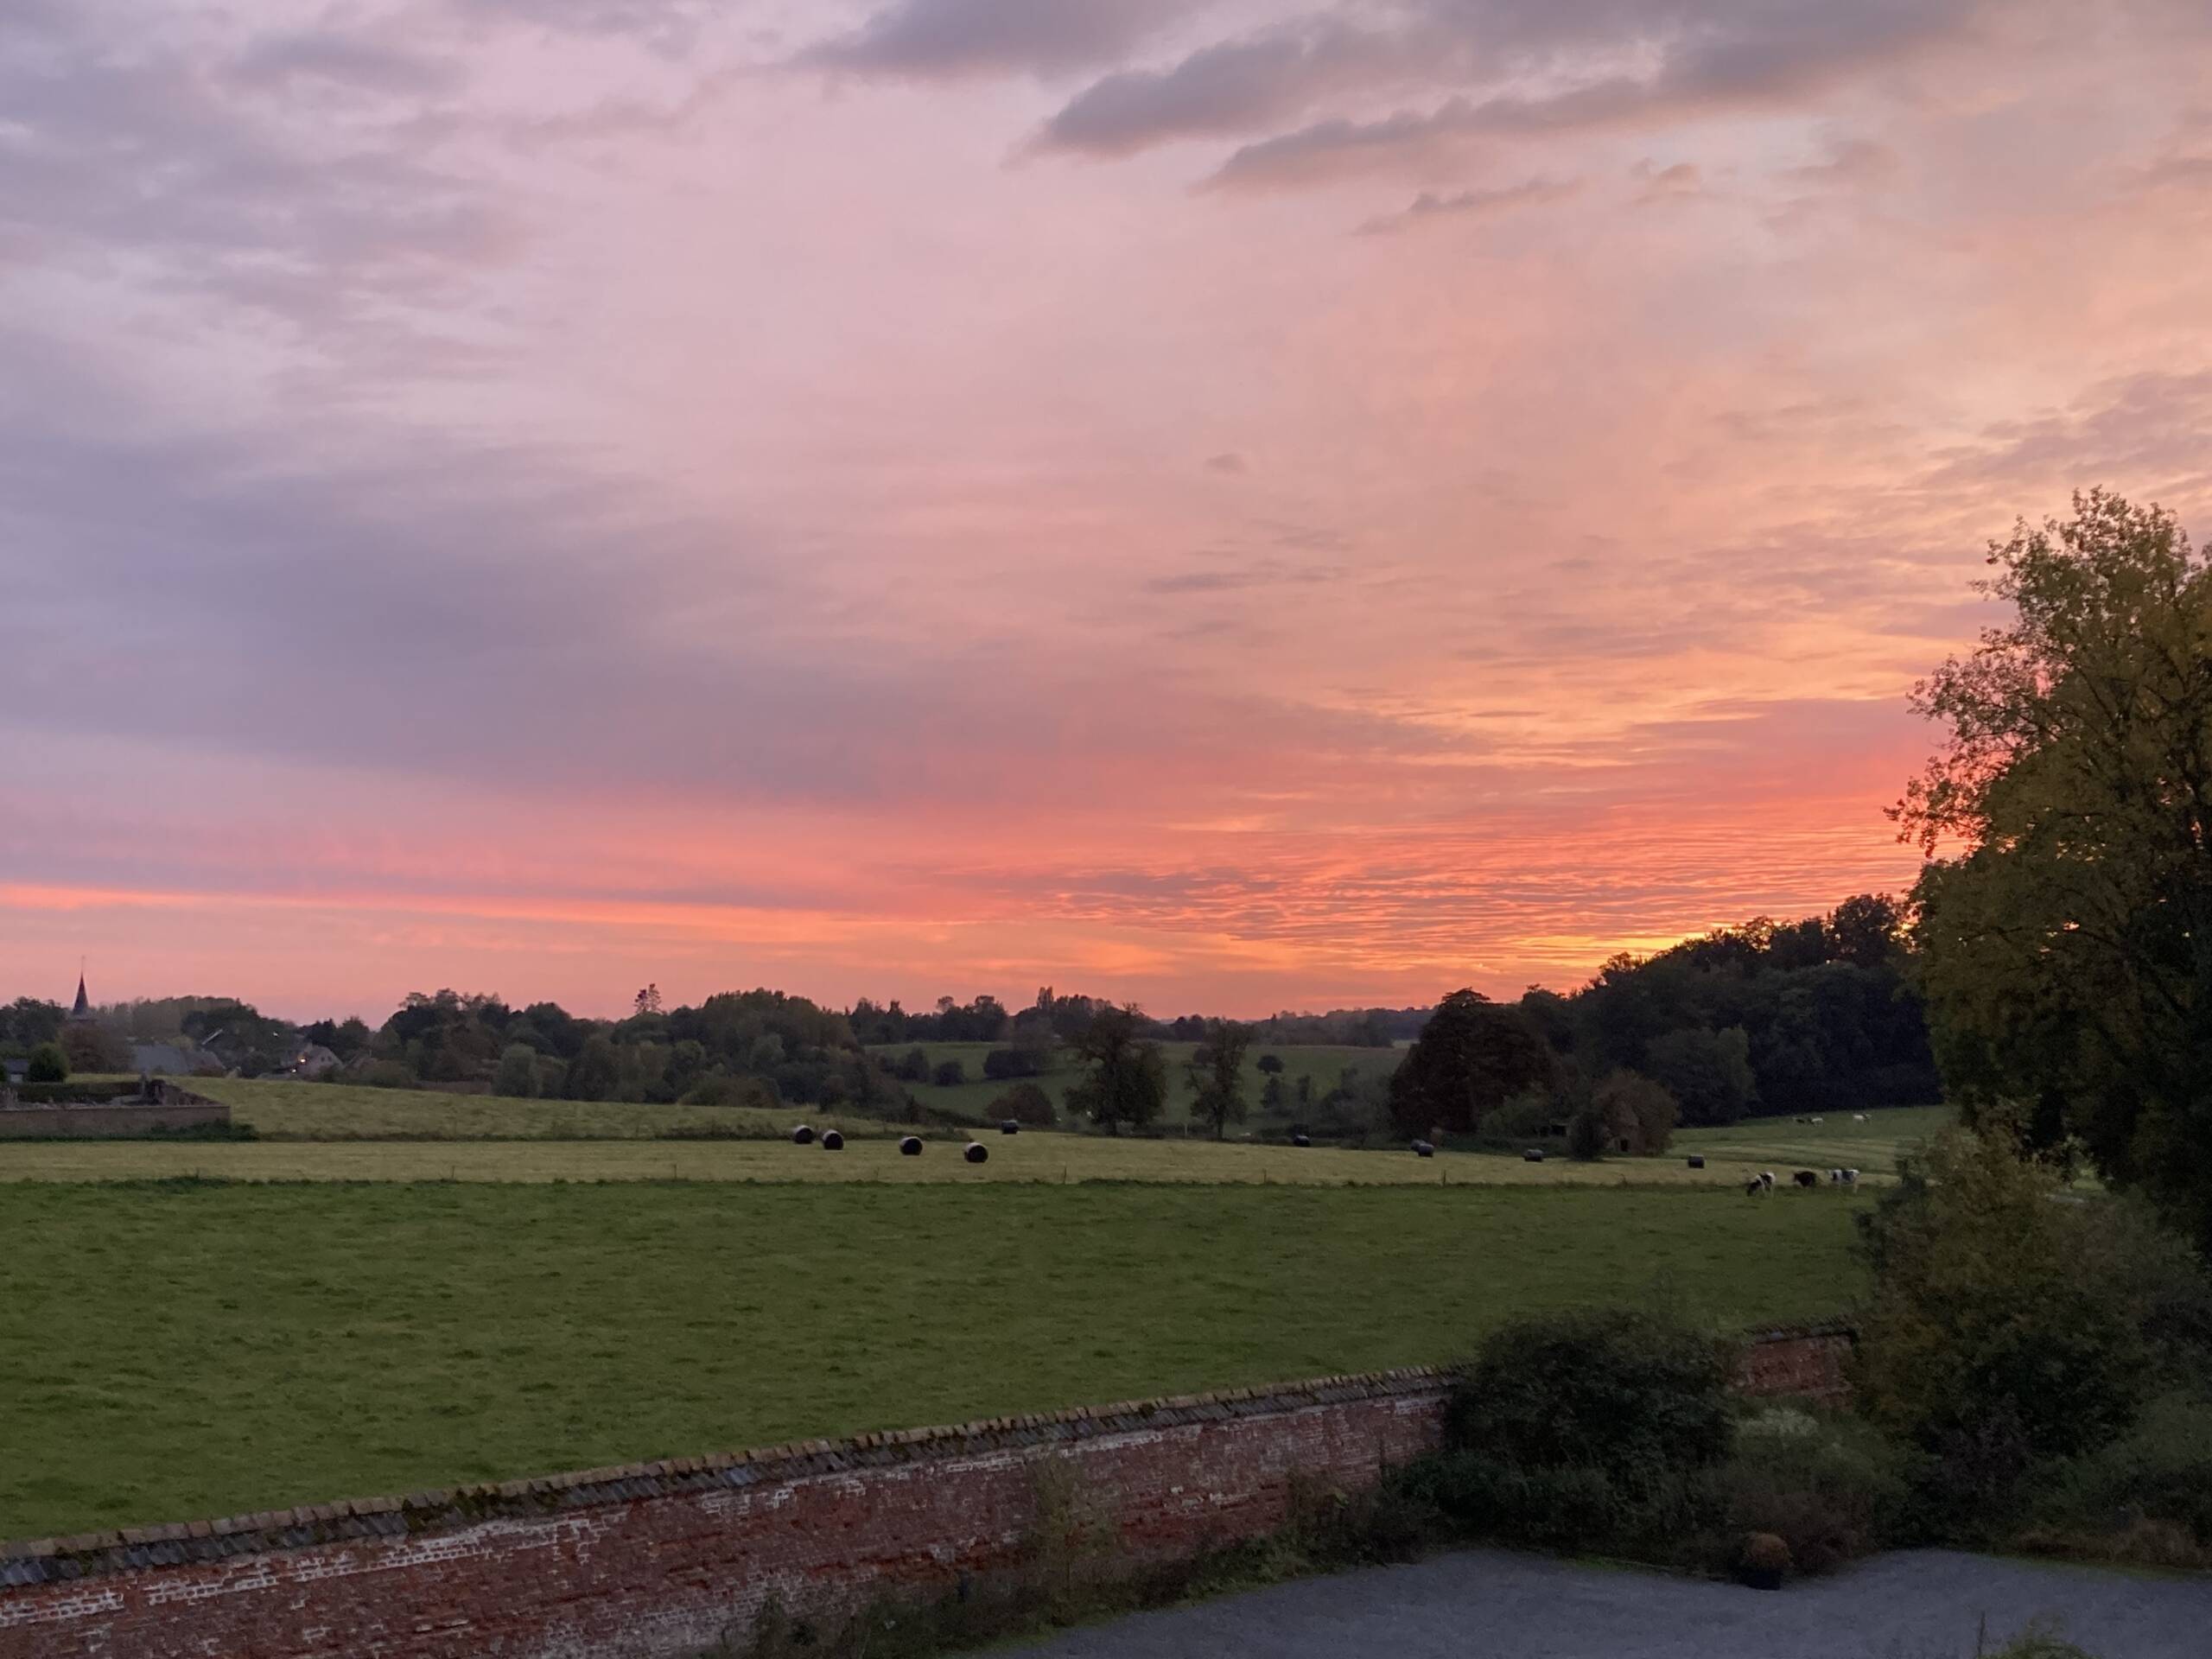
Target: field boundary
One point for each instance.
(666, 1560)
(1773, 1365)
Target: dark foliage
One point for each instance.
(1472, 1055)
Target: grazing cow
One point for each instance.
(1816, 1120)
(911, 1147)
(976, 1153)
(1851, 1178)
(1424, 1149)
(1534, 1155)
(1011, 1126)
(1753, 1187)
(1835, 1178)
(1302, 1138)
(1806, 1177)
(832, 1141)
(802, 1136)
(1766, 1179)
(1859, 1117)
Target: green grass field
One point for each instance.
(1730, 1156)
(1781, 1145)
(972, 1100)
(198, 1349)
(279, 1110)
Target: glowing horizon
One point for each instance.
(1230, 505)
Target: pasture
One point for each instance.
(1030, 1157)
(199, 1349)
(280, 1110)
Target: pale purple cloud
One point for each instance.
(938, 39)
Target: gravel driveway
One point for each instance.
(1473, 1605)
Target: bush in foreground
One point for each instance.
(2011, 1326)
(1831, 1488)
(1586, 1429)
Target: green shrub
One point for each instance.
(48, 1063)
(2159, 1471)
(950, 1074)
(1622, 1390)
(1831, 1488)
(2010, 1323)
(1585, 1429)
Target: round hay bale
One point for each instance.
(976, 1153)
(1010, 1125)
(1696, 1161)
(802, 1136)
(910, 1146)
(1807, 1178)
(832, 1141)
(1424, 1149)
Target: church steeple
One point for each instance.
(83, 1009)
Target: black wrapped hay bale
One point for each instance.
(1010, 1127)
(976, 1153)
(1534, 1155)
(911, 1147)
(1423, 1149)
(1302, 1138)
(1696, 1161)
(832, 1141)
(802, 1136)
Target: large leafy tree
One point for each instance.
(2065, 916)
(1470, 1057)
(1218, 1075)
(1125, 1078)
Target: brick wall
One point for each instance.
(665, 1559)
(1801, 1361)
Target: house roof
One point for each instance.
(167, 1060)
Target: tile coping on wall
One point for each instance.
(126, 1550)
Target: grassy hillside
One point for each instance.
(201, 1350)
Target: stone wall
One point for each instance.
(171, 1109)
(665, 1559)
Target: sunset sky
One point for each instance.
(1233, 506)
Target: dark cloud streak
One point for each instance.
(948, 39)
